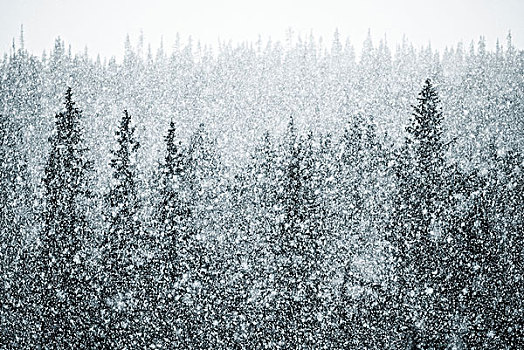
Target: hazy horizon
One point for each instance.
(102, 27)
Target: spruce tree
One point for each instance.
(171, 222)
(295, 246)
(121, 250)
(64, 280)
(417, 223)
(172, 172)
(362, 317)
(350, 170)
(489, 300)
(260, 207)
(15, 215)
(198, 320)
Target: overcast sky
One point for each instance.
(102, 25)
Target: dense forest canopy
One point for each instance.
(264, 195)
(241, 91)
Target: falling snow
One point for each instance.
(262, 196)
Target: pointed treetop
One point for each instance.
(291, 125)
(160, 51)
(509, 44)
(170, 134)
(428, 102)
(69, 103)
(173, 158)
(336, 46)
(426, 122)
(22, 41)
(69, 95)
(482, 46)
(427, 91)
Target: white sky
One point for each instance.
(102, 25)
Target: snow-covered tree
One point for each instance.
(64, 279)
(416, 228)
(341, 231)
(122, 255)
(171, 221)
(15, 217)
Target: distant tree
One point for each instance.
(64, 283)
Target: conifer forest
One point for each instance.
(265, 195)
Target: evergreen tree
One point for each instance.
(350, 165)
(417, 224)
(171, 220)
(510, 309)
(360, 313)
(259, 208)
(15, 216)
(122, 254)
(485, 233)
(172, 172)
(64, 279)
(295, 248)
(198, 321)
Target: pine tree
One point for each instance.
(190, 188)
(171, 221)
(510, 309)
(310, 241)
(64, 280)
(350, 167)
(360, 163)
(15, 215)
(425, 134)
(172, 172)
(489, 300)
(123, 197)
(121, 250)
(295, 246)
(417, 223)
(260, 207)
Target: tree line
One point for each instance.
(237, 90)
(317, 241)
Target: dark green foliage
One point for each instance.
(417, 224)
(15, 215)
(362, 313)
(122, 248)
(64, 283)
(189, 196)
(172, 172)
(171, 220)
(450, 243)
(485, 258)
(292, 316)
(123, 197)
(329, 242)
